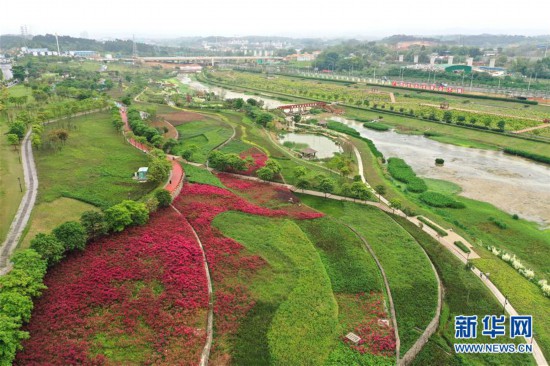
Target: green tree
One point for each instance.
(299, 172)
(164, 197)
(360, 190)
(447, 116)
(17, 128)
(345, 190)
(265, 173)
(501, 124)
(94, 224)
(14, 304)
(264, 118)
(117, 218)
(326, 185)
(34, 266)
(395, 204)
(273, 165)
(159, 168)
(380, 189)
(49, 247)
(72, 234)
(13, 140)
(297, 118)
(10, 337)
(138, 211)
(303, 184)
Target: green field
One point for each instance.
(200, 175)
(526, 297)
(282, 328)
(10, 170)
(95, 165)
(312, 264)
(412, 281)
(47, 215)
(206, 135)
(464, 295)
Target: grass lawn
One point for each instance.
(411, 279)
(47, 215)
(10, 170)
(464, 295)
(294, 321)
(20, 91)
(206, 135)
(525, 296)
(95, 165)
(196, 174)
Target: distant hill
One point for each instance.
(479, 40)
(68, 43)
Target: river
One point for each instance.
(228, 94)
(513, 184)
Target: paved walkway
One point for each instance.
(447, 242)
(25, 207)
(175, 179)
(546, 125)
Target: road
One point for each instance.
(25, 207)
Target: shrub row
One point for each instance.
(25, 281)
(462, 246)
(436, 199)
(437, 229)
(401, 171)
(528, 155)
(376, 126)
(17, 289)
(340, 127)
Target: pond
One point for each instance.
(325, 147)
(511, 183)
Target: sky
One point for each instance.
(294, 18)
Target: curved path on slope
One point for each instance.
(174, 185)
(25, 207)
(388, 290)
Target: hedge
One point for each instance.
(528, 155)
(462, 246)
(437, 229)
(436, 199)
(376, 126)
(340, 127)
(401, 171)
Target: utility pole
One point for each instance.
(134, 48)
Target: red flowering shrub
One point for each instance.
(265, 194)
(139, 296)
(259, 158)
(376, 337)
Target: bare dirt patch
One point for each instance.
(178, 118)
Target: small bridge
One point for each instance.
(299, 108)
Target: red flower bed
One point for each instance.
(376, 337)
(136, 297)
(264, 194)
(259, 158)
